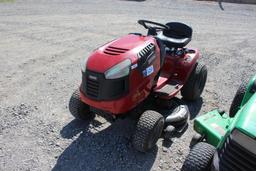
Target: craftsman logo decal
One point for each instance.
(92, 77)
(149, 70)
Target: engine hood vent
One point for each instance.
(146, 51)
(110, 50)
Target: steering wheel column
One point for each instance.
(152, 31)
(153, 27)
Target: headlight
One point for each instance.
(83, 63)
(120, 70)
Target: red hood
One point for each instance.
(116, 51)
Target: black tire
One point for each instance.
(237, 99)
(77, 108)
(194, 86)
(149, 129)
(199, 158)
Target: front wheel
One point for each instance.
(199, 158)
(195, 83)
(77, 108)
(149, 129)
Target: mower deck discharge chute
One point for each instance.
(226, 142)
(120, 77)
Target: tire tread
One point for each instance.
(144, 128)
(199, 157)
(237, 99)
(188, 90)
(77, 108)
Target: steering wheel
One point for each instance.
(156, 26)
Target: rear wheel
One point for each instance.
(195, 83)
(77, 108)
(199, 158)
(237, 99)
(148, 130)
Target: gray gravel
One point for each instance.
(41, 45)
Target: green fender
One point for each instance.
(216, 126)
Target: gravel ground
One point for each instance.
(41, 46)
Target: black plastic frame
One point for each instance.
(108, 89)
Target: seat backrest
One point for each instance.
(178, 30)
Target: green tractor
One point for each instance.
(224, 141)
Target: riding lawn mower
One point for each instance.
(226, 142)
(120, 77)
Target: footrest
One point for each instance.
(169, 90)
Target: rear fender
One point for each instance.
(186, 65)
(180, 67)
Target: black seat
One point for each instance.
(177, 36)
